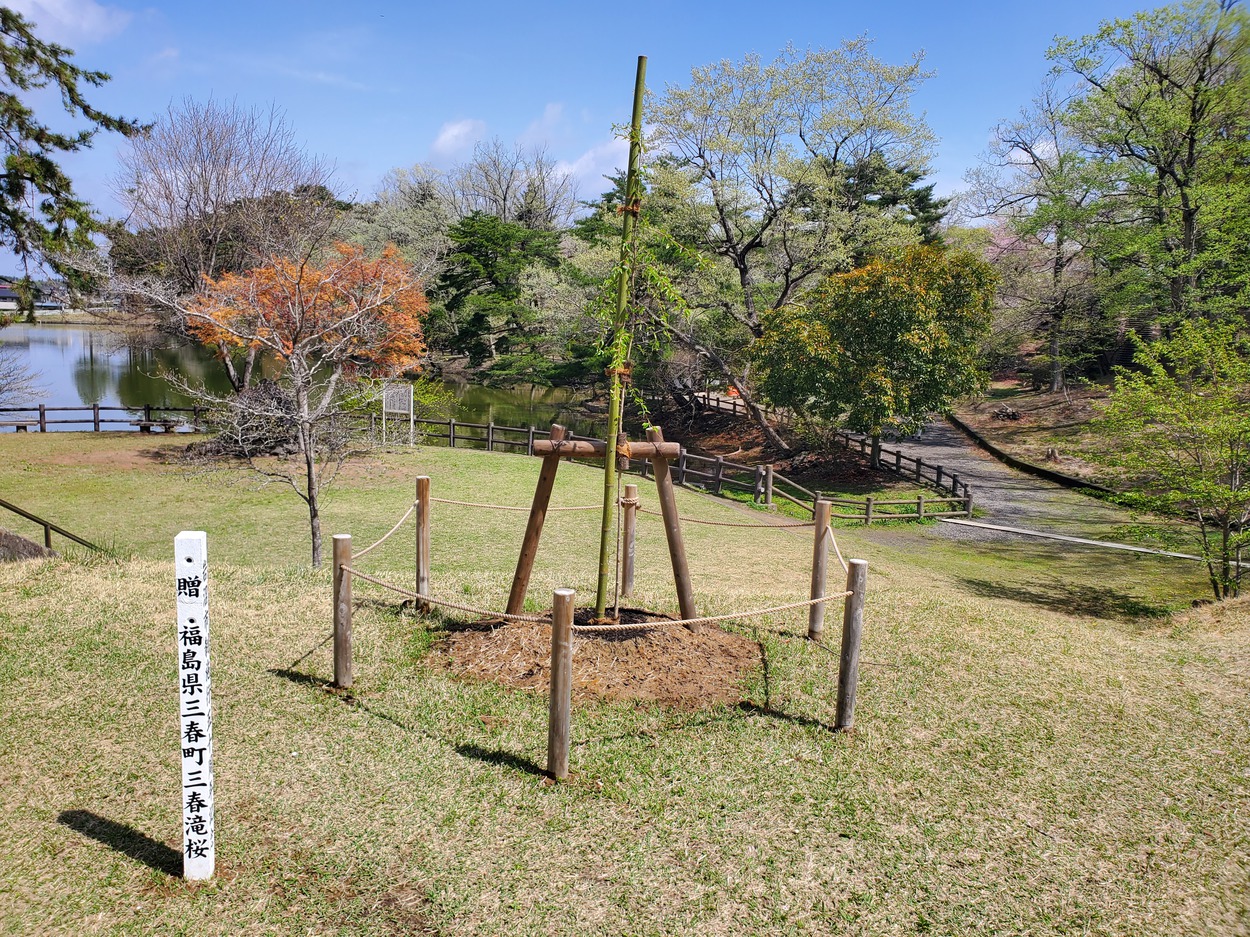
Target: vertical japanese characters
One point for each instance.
(195, 710)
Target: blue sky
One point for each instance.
(374, 84)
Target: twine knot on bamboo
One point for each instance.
(625, 372)
(633, 208)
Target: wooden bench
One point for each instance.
(20, 426)
(145, 426)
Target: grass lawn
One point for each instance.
(1025, 762)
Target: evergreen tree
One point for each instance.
(40, 215)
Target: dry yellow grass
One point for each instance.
(1016, 769)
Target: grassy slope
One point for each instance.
(1047, 421)
(1016, 770)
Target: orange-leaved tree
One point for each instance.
(325, 326)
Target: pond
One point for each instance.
(81, 365)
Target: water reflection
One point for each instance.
(80, 365)
(84, 365)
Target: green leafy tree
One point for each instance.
(40, 215)
(775, 171)
(882, 347)
(1040, 186)
(1164, 106)
(1179, 423)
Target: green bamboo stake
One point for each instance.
(620, 340)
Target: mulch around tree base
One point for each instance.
(670, 665)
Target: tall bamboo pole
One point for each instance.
(619, 341)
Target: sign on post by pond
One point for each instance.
(397, 400)
(195, 705)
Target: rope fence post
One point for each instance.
(342, 556)
(629, 524)
(423, 541)
(561, 684)
(852, 632)
(820, 564)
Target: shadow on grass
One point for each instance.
(755, 709)
(124, 839)
(497, 756)
(490, 756)
(1073, 598)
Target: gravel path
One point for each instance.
(1003, 495)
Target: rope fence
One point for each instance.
(508, 507)
(695, 520)
(485, 613)
(386, 536)
(561, 617)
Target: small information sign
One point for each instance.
(195, 705)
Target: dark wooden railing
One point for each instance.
(711, 473)
(48, 527)
(144, 418)
(891, 459)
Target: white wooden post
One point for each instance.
(195, 705)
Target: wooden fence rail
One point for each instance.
(144, 418)
(711, 473)
(48, 527)
(891, 459)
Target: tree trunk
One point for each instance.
(874, 458)
(307, 444)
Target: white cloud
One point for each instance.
(73, 21)
(457, 137)
(590, 168)
(539, 132)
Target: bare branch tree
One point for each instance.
(513, 185)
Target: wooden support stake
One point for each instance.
(451, 434)
(672, 530)
(898, 461)
(534, 527)
(43, 418)
(868, 502)
(47, 536)
(757, 485)
(681, 467)
(920, 507)
(768, 485)
(937, 478)
(967, 503)
(342, 556)
(852, 631)
(561, 684)
(529, 441)
(820, 563)
(422, 516)
(718, 477)
(490, 436)
(95, 417)
(919, 464)
(629, 525)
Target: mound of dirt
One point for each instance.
(669, 665)
(14, 547)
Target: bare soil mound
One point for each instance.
(14, 547)
(669, 665)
